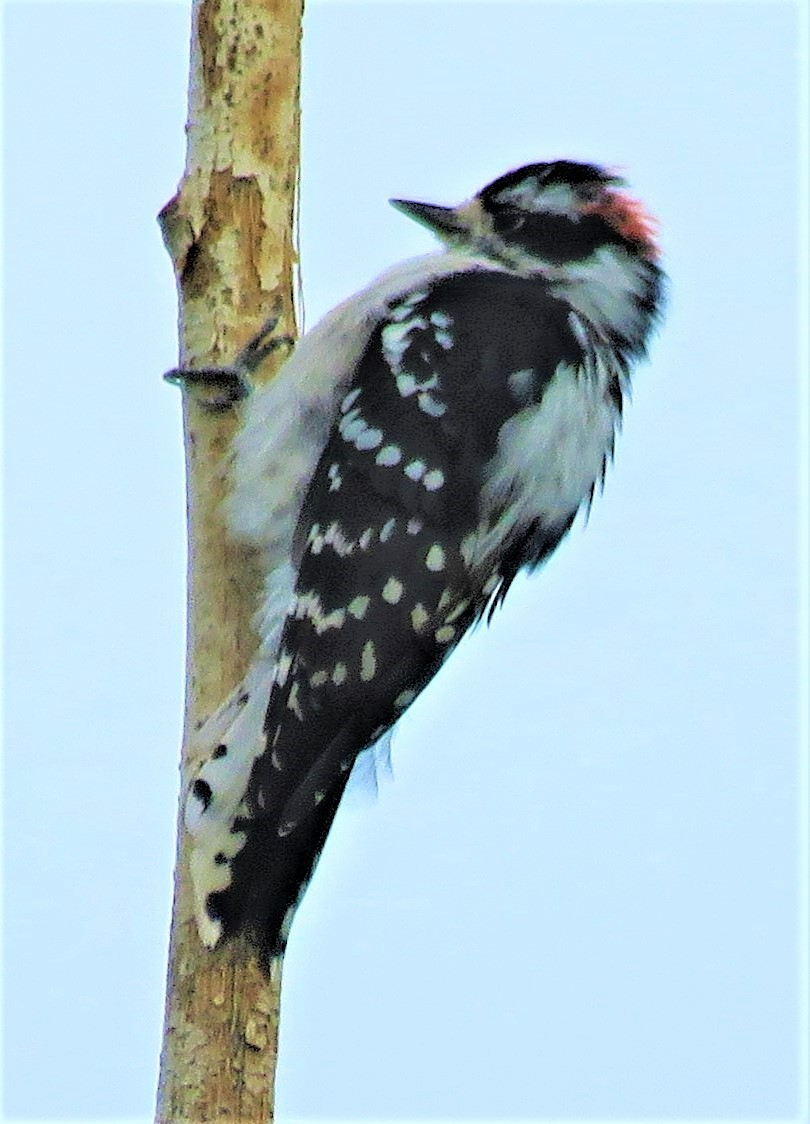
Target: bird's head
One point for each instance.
(543, 217)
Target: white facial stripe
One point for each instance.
(529, 195)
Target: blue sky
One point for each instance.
(582, 895)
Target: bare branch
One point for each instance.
(229, 231)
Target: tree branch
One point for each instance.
(229, 231)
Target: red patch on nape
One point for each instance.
(628, 216)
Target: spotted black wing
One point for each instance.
(383, 591)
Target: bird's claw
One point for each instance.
(261, 345)
(218, 388)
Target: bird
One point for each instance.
(434, 435)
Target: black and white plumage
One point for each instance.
(433, 435)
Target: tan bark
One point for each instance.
(229, 231)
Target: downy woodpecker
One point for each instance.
(429, 438)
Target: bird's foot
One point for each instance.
(219, 388)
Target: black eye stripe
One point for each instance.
(507, 220)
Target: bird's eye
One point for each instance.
(509, 220)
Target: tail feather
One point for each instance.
(255, 840)
(270, 875)
(228, 742)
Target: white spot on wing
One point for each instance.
(351, 430)
(369, 439)
(431, 406)
(335, 538)
(406, 385)
(395, 339)
(368, 662)
(419, 617)
(350, 400)
(392, 591)
(433, 480)
(456, 612)
(335, 479)
(294, 704)
(403, 309)
(358, 606)
(435, 558)
(308, 606)
(388, 456)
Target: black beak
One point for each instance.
(443, 221)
